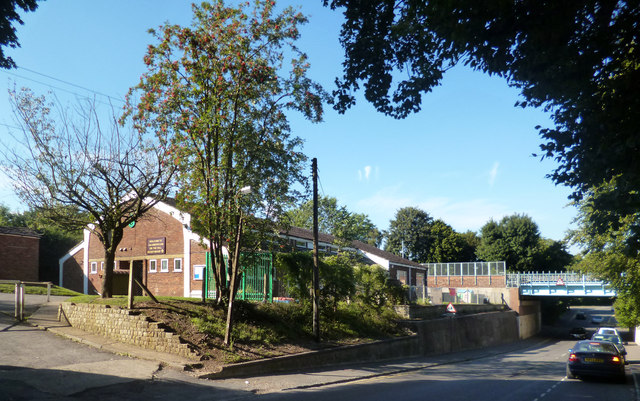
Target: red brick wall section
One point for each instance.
(156, 224)
(19, 257)
(467, 281)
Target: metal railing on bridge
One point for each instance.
(559, 284)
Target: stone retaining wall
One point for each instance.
(439, 336)
(125, 326)
(413, 311)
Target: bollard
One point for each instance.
(21, 303)
(48, 291)
(17, 301)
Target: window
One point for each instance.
(401, 275)
(198, 272)
(164, 265)
(177, 265)
(101, 266)
(94, 267)
(153, 266)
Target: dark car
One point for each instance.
(612, 338)
(578, 333)
(596, 358)
(580, 316)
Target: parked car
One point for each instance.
(578, 333)
(596, 358)
(608, 330)
(612, 338)
(596, 319)
(581, 316)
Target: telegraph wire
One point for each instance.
(80, 95)
(71, 84)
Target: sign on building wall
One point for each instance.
(157, 246)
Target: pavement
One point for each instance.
(45, 317)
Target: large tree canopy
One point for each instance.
(409, 234)
(578, 60)
(9, 14)
(415, 235)
(216, 92)
(514, 239)
(80, 172)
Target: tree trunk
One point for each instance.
(235, 268)
(111, 240)
(107, 278)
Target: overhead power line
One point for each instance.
(61, 81)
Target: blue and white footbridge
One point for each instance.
(559, 284)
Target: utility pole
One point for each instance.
(316, 273)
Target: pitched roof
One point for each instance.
(306, 234)
(391, 257)
(19, 231)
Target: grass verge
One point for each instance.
(40, 290)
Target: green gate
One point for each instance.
(256, 280)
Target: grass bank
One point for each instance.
(40, 290)
(262, 329)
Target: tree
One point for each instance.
(336, 220)
(514, 240)
(577, 60)
(216, 93)
(471, 241)
(552, 256)
(448, 245)
(79, 176)
(337, 280)
(374, 288)
(606, 254)
(410, 234)
(8, 37)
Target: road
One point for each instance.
(532, 374)
(37, 365)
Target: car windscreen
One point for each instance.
(595, 347)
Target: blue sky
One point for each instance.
(465, 158)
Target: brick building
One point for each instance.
(19, 254)
(170, 259)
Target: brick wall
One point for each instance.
(125, 326)
(133, 247)
(19, 257)
(467, 281)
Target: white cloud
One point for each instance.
(493, 173)
(365, 173)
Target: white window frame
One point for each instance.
(153, 266)
(94, 267)
(198, 272)
(101, 266)
(177, 265)
(164, 265)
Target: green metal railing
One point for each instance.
(256, 280)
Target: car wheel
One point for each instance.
(569, 374)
